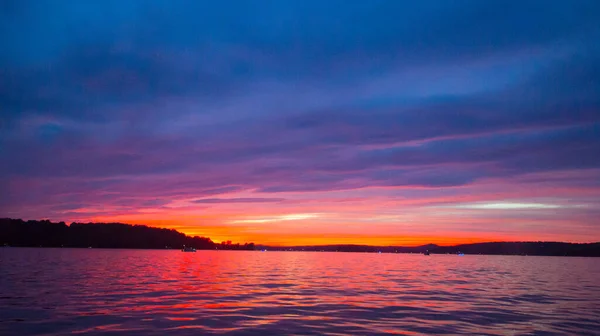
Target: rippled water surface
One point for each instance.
(142, 292)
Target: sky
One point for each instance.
(305, 122)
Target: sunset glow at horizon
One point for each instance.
(305, 122)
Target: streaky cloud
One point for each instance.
(239, 200)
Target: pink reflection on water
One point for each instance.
(88, 291)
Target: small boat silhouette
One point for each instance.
(188, 249)
(426, 252)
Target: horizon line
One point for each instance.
(318, 245)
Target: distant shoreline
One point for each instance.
(292, 251)
(46, 234)
(558, 249)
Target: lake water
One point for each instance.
(145, 292)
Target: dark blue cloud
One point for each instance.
(565, 92)
(296, 28)
(497, 148)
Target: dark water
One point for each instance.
(136, 292)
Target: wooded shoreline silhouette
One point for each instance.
(44, 233)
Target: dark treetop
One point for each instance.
(16, 232)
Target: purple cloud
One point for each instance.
(151, 104)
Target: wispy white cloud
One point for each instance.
(239, 200)
(503, 205)
(278, 218)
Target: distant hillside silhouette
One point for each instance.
(16, 232)
(496, 248)
(352, 248)
(525, 248)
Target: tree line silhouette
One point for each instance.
(44, 233)
(525, 248)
